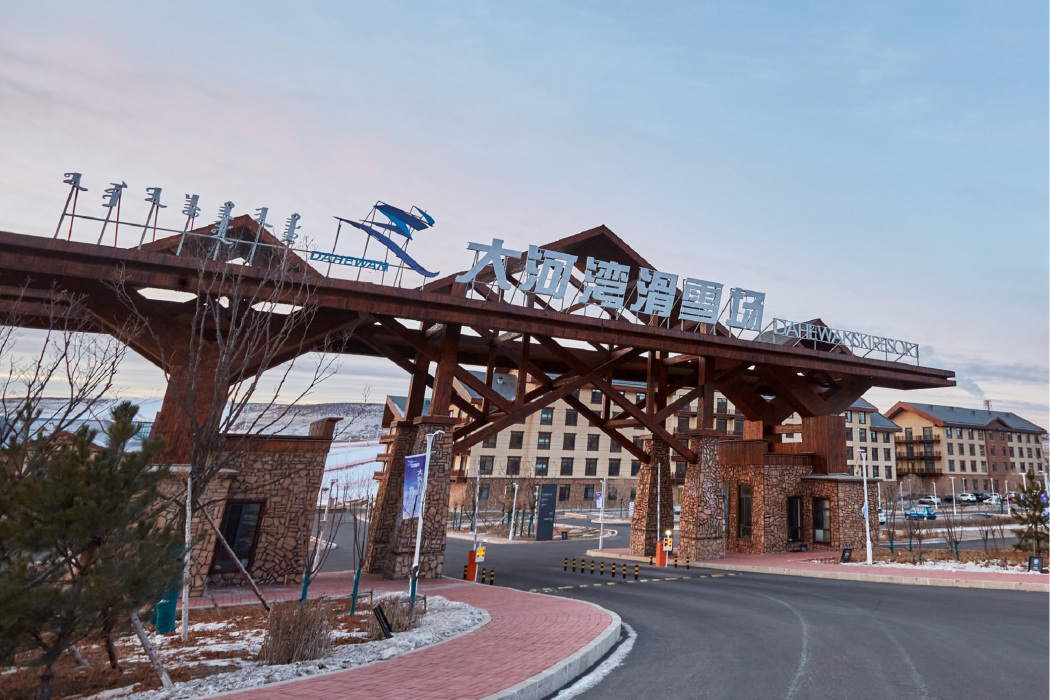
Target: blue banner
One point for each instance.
(414, 486)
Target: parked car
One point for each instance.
(966, 498)
(882, 517)
(982, 497)
(920, 513)
(930, 500)
(993, 500)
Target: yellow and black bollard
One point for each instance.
(601, 569)
(492, 577)
(592, 567)
(623, 568)
(650, 560)
(574, 565)
(483, 574)
(635, 572)
(676, 561)
(465, 569)
(687, 563)
(565, 566)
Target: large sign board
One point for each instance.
(412, 494)
(890, 347)
(547, 503)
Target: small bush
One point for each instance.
(397, 614)
(297, 632)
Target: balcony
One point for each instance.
(918, 439)
(918, 456)
(902, 470)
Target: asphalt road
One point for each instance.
(743, 635)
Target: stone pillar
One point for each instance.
(387, 511)
(645, 531)
(435, 518)
(701, 530)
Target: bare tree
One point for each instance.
(952, 532)
(253, 314)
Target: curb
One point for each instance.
(1032, 587)
(548, 682)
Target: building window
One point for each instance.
(794, 519)
(516, 440)
(588, 492)
(240, 526)
(948, 433)
(615, 446)
(720, 425)
(596, 395)
(849, 453)
(951, 465)
(874, 454)
(958, 433)
(995, 466)
(571, 417)
(951, 449)
(485, 464)
(635, 466)
(885, 454)
(483, 492)
(683, 423)
(849, 434)
(614, 467)
(862, 417)
(973, 465)
(568, 441)
(993, 450)
(590, 466)
(743, 511)
(564, 492)
(972, 449)
(593, 443)
(721, 406)
(986, 484)
(513, 466)
(490, 442)
(566, 466)
(679, 468)
(969, 433)
(821, 520)
(541, 465)
(546, 416)
(907, 433)
(862, 434)
(543, 441)
(849, 416)
(875, 471)
(929, 466)
(738, 427)
(638, 442)
(639, 397)
(885, 437)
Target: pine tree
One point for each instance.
(1031, 501)
(80, 543)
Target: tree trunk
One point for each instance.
(151, 652)
(107, 637)
(45, 684)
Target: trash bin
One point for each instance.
(164, 618)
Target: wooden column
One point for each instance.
(441, 399)
(825, 437)
(187, 401)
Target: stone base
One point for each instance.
(645, 531)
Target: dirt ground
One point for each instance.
(219, 641)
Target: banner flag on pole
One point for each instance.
(413, 491)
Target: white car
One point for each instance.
(966, 498)
(930, 501)
(882, 517)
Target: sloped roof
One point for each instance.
(876, 420)
(966, 417)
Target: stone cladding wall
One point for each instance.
(644, 528)
(387, 511)
(701, 527)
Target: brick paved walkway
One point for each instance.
(801, 564)
(527, 635)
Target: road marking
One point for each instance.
(562, 588)
(612, 583)
(717, 575)
(672, 578)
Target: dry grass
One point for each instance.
(902, 556)
(206, 653)
(297, 632)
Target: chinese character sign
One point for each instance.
(607, 284)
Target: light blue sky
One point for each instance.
(882, 166)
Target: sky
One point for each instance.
(881, 166)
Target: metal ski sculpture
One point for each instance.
(398, 222)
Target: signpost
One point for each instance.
(545, 518)
(421, 499)
(599, 497)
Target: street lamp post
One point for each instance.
(954, 510)
(935, 495)
(513, 508)
(601, 518)
(867, 520)
(419, 521)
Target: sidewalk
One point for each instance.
(802, 564)
(532, 645)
